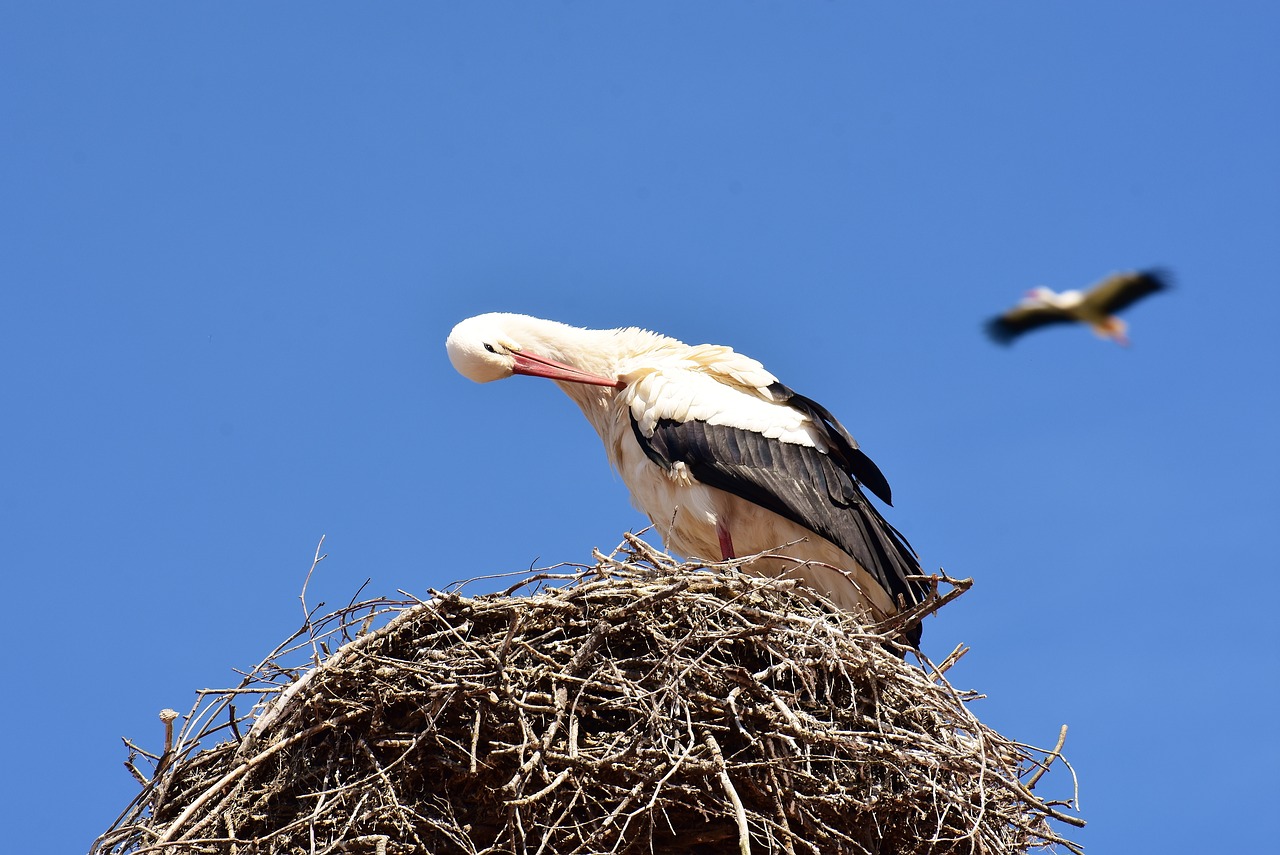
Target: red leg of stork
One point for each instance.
(726, 542)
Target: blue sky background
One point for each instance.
(234, 237)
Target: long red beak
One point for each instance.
(539, 366)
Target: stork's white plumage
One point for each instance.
(725, 460)
(1095, 307)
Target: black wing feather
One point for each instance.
(1128, 289)
(844, 448)
(797, 482)
(1013, 323)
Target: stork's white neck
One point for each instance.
(609, 353)
(495, 346)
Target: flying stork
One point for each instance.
(1096, 307)
(724, 460)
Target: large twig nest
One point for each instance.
(644, 706)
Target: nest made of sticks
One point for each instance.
(636, 705)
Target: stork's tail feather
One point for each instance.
(889, 558)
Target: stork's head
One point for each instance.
(495, 346)
(481, 349)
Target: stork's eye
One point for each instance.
(490, 348)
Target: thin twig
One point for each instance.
(307, 613)
(739, 812)
(1048, 761)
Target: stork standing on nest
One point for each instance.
(1096, 307)
(724, 459)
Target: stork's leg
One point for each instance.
(726, 542)
(1115, 329)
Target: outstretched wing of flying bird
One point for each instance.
(1024, 318)
(1124, 289)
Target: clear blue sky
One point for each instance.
(234, 237)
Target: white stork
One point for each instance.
(725, 460)
(1096, 307)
